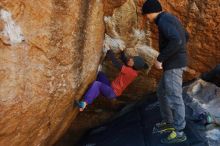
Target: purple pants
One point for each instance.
(101, 86)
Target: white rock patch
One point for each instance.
(11, 30)
(114, 43)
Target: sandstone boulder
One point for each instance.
(49, 53)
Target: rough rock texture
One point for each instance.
(47, 59)
(50, 50)
(110, 5)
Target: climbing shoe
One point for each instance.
(163, 127)
(174, 137)
(81, 105)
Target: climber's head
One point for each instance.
(137, 63)
(151, 8)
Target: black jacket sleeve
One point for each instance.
(123, 57)
(115, 62)
(173, 38)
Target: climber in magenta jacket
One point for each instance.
(128, 72)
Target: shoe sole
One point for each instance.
(155, 130)
(164, 141)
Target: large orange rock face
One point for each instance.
(49, 53)
(110, 5)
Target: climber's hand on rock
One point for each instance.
(121, 44)
(109, 51)
(190, 71)
(105, 50)
(158, 65)
(121, 49)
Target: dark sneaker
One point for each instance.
(174, 137)
(163, 127)
(81, 105)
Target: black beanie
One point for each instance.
(139, 63)
(151, 6)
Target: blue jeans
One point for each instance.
(101, 86)
(169, 94)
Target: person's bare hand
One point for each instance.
(192, 72)
(158, 65)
